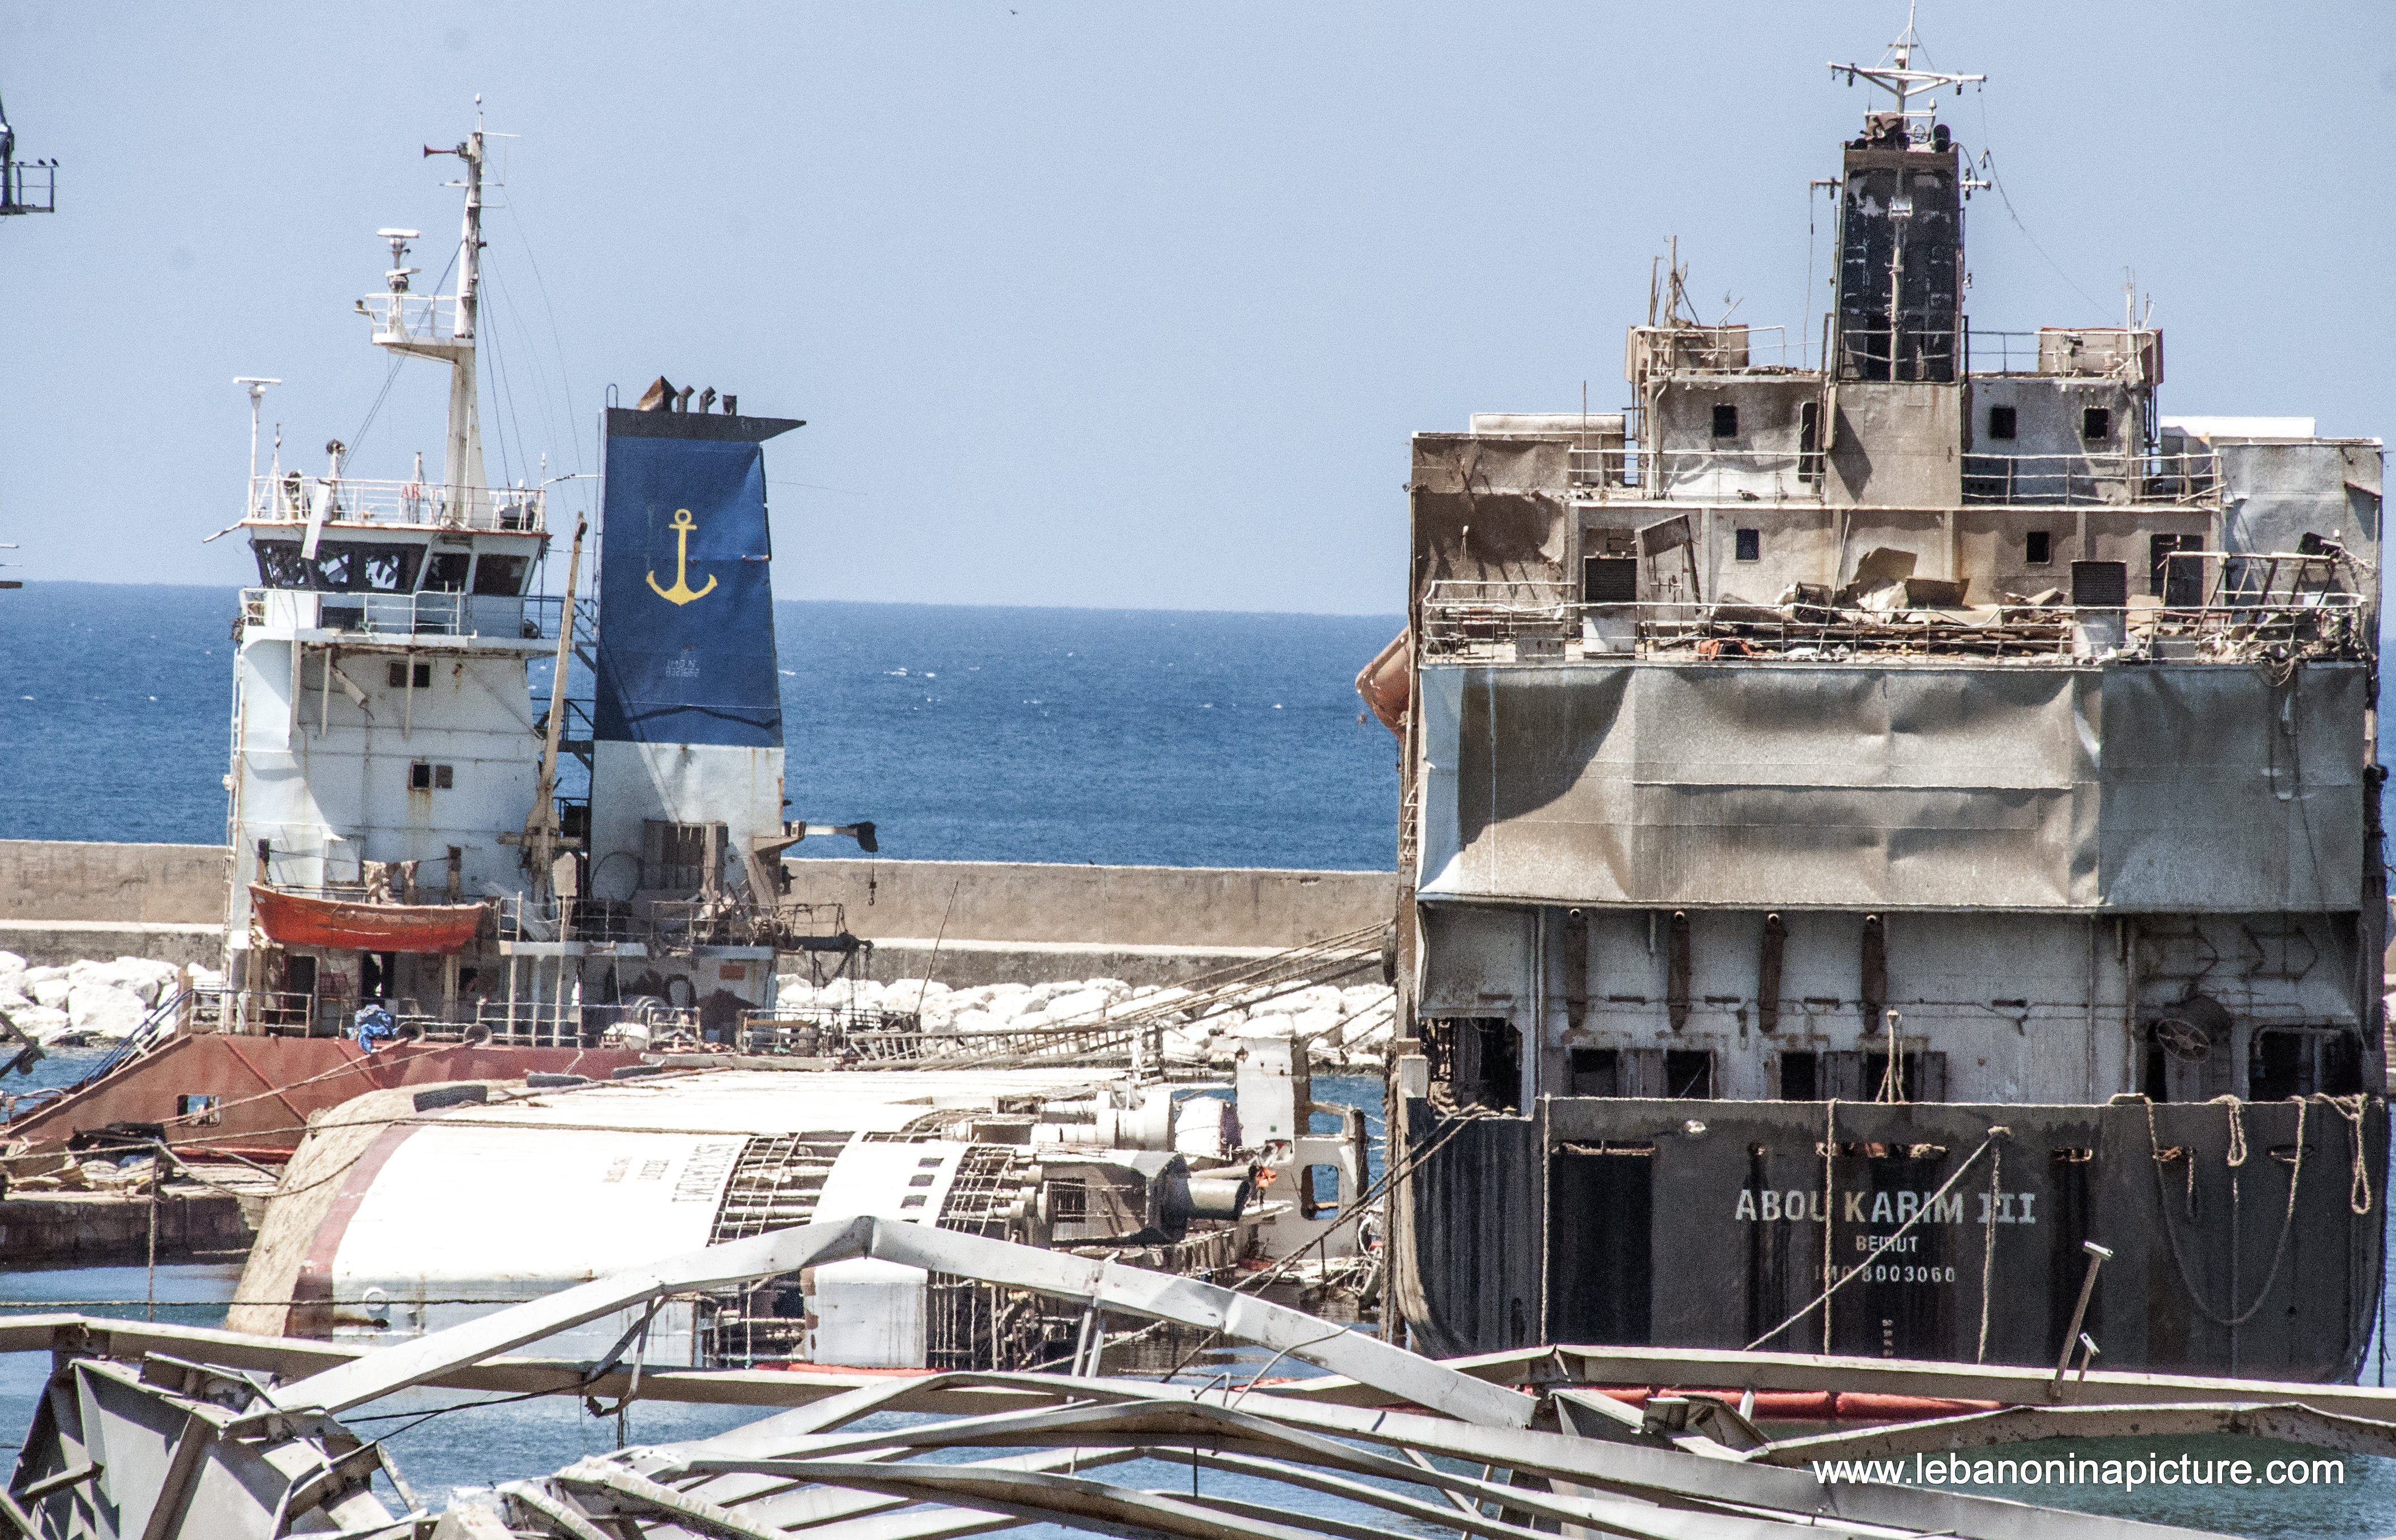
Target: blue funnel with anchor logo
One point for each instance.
(686, 591)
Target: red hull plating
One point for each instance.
(267, 1086)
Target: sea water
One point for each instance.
(964, 733)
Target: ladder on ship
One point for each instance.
(575, 740)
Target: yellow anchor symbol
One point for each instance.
(682, 592)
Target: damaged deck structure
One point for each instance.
(1880, 819)
(166, 1433)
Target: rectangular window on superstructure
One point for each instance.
(1689, 1072)
(1595, 1073)
(1747, 544)
(402, 673)
(2100, 584)
(2095, 424)
(1609, 579)
(425, 777)
(2001, 422)
(1726, 420)
(1798, 1078)
(2038, 548)
(2178, 580)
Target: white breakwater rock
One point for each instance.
(93, 1001)
(1344, 1028)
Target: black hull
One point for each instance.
(1702, 1224)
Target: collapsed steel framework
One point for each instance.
(206, 1440)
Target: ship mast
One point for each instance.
(420, 334)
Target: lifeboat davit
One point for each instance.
(296, 920)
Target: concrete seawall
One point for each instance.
(993, 921)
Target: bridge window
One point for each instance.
(502, 576)
(446, 572)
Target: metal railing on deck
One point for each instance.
(292, 498)
(1774, 475)
(2095, 479)
(524, 618)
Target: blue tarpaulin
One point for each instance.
(686, 597)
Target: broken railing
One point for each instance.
(1514, 623)
(1600, 470)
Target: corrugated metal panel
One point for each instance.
(2201, 788)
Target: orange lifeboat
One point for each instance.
(1388, 685)
(296, 920)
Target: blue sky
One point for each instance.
(1127, 304)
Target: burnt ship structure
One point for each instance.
(1890, 831)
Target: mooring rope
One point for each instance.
(2237, 1129)
(1989, 1248)
(2237, 1157)
(1829, 1208)
(2358, 1190)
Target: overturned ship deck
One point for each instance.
(1892, 844)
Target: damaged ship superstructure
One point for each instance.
(1900, 826)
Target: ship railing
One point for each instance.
(1598, 471)
(2252, 616)
(839, 1029)
(669, 924)
(412, 320)
(2132, 354)
(291, 497)
(2082, 480)
(680, 923)
(1703, 475)
(29, 187)
(279, 1012)
(524, 917)
(1723, 350)
(514, 1024)
(522, 617)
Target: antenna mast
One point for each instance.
(257, 388)
(1897, 76)
(411, 327)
